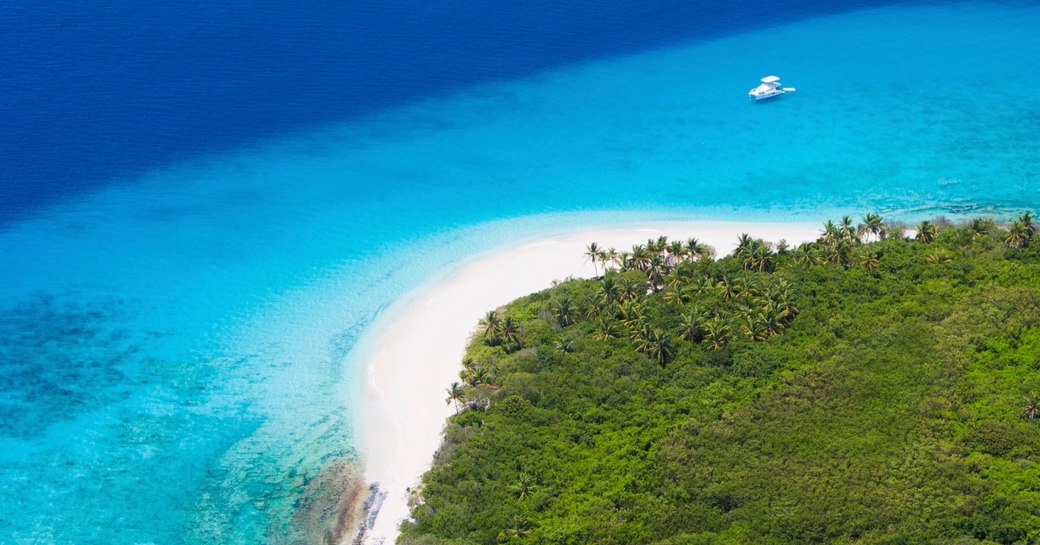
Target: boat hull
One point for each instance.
(765, 96)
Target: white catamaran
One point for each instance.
(769, 88)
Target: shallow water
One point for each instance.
(176, 360)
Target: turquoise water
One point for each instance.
(176, 357)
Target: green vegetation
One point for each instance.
(863, 388)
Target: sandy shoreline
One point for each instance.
(417, 352)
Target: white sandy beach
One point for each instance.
(417, 352)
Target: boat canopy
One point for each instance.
(770, 79)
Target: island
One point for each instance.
(876, 385)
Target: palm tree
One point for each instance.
(980, 227)
(676, 279)
(640, 256)
(839, 253)
(770, 319)
(592, 252)
(676, 252)
(690, 325)
(716, 333)
(787, 306)
(760, 256)
(743, 249)
(699, 251)
(693, 248)
(625, 262)
(657, 246)
(656, 344)
(455, 394)
(701, 285)
(651, 245)
(753, 329)
(632, 316)
(564, 345)
(592, 304)
(609, 291)
(725, 288)
(926, 232)
(630, 290)
(848, 229)
(831, 234)
(874, 225)
(510, 330)
(520, 529)
(745, 287)
(474, 375)
(675, 294)
(563, 311)
(605, 329)
(604, 260)
(1027, 222)
(869, 261)
(661, 348)
(1017, 236)
(805, 255)
(686, 294)
(524, 485)
(1032, 409)
(781, 297)
(468, 372)
(490, 324)
(655, 270)
(937, 257)
(613, 257)
(641, 331)
(744, 308)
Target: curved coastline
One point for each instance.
(415, 350)
(240, 279)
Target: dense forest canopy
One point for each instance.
(868, 387)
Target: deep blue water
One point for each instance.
(94, 91)
(205, 207)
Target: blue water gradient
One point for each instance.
(96, 90)
(176, 360)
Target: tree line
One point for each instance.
(876, 385)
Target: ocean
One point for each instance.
(203, 208)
